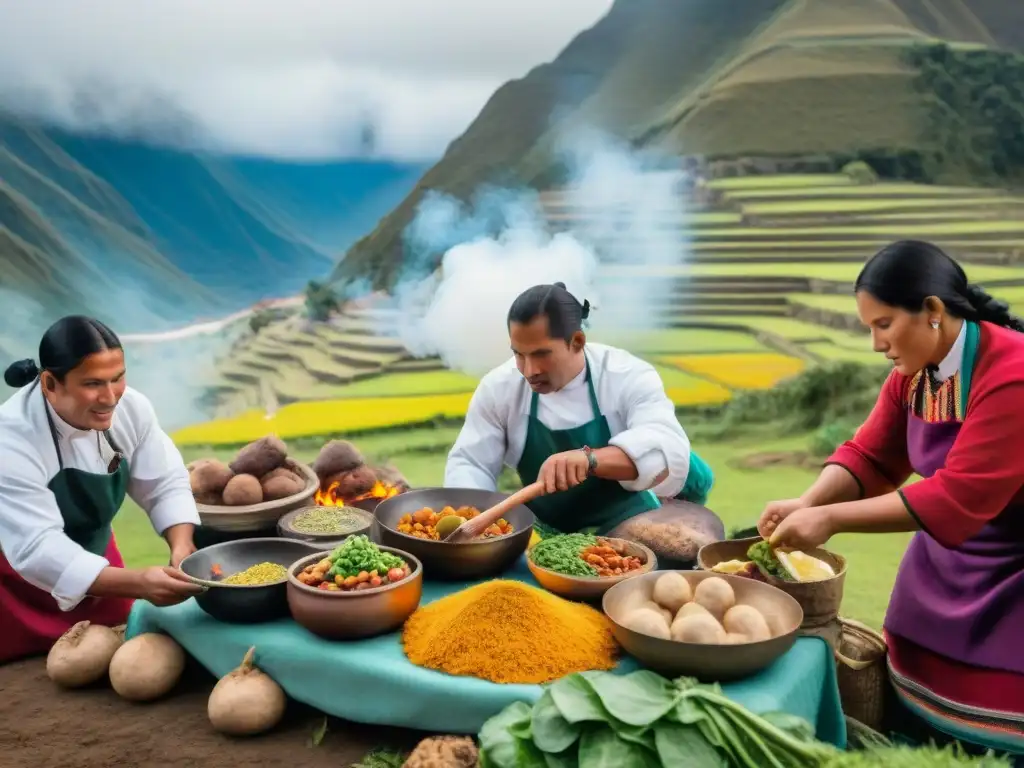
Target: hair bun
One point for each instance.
(21, 373)
(561, 285)
(586, 310)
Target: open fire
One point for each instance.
(378, 492)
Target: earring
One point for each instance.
(935, 324)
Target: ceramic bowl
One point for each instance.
(592, 588)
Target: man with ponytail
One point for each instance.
(950, 412)
(74, 443)
(594, 424)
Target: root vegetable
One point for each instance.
(716, 595)
(261, 456)
(246, 701)
(210, 499)
(209, 476)
(82, 655)
(335, 458)
(672, 591)
(698, 628)
(243, 490)
(647, 621)
(354, 483)
(147, 667)
(691, 609)
(446, 751)
(281, 483)
(746, 620)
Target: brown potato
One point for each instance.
(337, 457)
(354, 483)
(211, 499)
(242, 490)
(260, 457)
(209, 476)
(280, 484)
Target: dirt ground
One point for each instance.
(42, 726)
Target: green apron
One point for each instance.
(88, 501)
(596, 505)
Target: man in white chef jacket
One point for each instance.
(592, 422)
(74, 443)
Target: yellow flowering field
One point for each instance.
(753, 370)
(358, 414)
(325, 417)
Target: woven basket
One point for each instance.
(862, 673)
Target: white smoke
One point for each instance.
(626, 237)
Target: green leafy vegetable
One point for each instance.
(358, 554)
(642, 720)
(764, 557)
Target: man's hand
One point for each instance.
(180, 552)
(563, 471)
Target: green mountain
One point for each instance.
(150, 237)
(863, 79)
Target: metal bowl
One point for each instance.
(337, 615)
(592, 587)
(323, 540)
(462, 561)
(707, 662)
(257, 517)
(242, 603)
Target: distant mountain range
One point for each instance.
(719, 78)
(150, 238)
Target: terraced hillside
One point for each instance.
(763, 290)
(783, 80)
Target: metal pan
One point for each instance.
(454, 561)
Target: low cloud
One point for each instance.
(299, 79)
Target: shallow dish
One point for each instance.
(592, 587)
(465, 560)
(323, 540)
(337, 615)
(243, 603)
(706, 662)
(820, 600)
(258, 517)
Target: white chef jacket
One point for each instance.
(31, 527)
(630, 394)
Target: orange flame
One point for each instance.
(330, 498)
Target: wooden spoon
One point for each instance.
(472, 528)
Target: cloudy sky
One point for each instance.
(278, 77)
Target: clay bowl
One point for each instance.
(258, 517)
(462, 561)
(820, 600)
(240, 603)
(337, 615)
(323, 540)
(711, 662)
(591, 588)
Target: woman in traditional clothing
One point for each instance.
(594, 424)
(74, 443)
(950, 412)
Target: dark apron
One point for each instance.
(88, 503)
(596, 505)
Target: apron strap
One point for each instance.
(53, 429)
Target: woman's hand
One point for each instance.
(803, 529)
(179, 539)
(563, 471)
(163, 585)
(775, 513)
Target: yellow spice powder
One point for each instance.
(509, 632)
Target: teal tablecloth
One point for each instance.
(371, 681)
